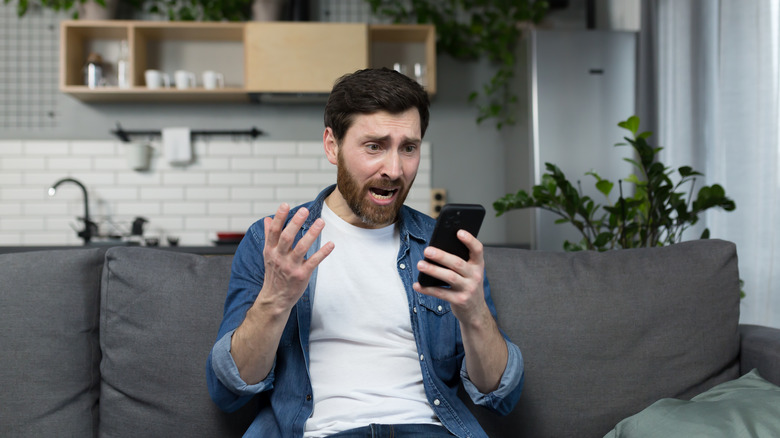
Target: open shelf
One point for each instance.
(254, 57)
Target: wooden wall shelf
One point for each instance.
(254, 57)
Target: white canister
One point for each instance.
(93, 71)
(184, 79)
(156, 79)
(138, 156)
(213, 80)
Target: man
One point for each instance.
(324, 317)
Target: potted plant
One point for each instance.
(77, 6)
(201, 10)
(471, 29)
(657, 213)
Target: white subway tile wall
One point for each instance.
(230, 185)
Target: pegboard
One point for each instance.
(348, 11)
(29, 60)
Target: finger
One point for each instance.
(273, 226)
(287, 237)
(317, 258)
(476, 249)
(446, 260)
(303, 245)
(440, 272)
(436, 292)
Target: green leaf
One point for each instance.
(604, 187)
(632, 124)
(686, 171)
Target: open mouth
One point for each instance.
(382, 194)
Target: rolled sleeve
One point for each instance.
(226, 370)
(504, 398)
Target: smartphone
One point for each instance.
(453, 217)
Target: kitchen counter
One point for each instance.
(203, 250)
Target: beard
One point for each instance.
(370, 213)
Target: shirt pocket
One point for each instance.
(442, 337)
(441, 328)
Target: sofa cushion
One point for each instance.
(160, 312)
(605, 335)
(49, 353)
(748, 406)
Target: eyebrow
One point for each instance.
(386, 138)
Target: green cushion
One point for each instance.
(748, 406)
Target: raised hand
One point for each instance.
(287, 272)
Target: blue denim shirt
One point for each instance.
(286, 401)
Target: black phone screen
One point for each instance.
(452, 218)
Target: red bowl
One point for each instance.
(229, 236)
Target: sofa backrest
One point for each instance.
(604, 335)
(159, 316)
(49, 353)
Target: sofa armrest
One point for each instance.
(760, 349)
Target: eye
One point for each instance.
(373, 147)
(410, 148)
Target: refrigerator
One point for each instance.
(581, 83)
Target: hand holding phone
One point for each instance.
(452, 218)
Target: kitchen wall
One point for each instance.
(229, 186)
(46, 135)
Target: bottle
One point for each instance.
(123, 66)
(93, 71)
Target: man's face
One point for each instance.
(377, 163)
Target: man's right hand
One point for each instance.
(287, 271)
(287, 274)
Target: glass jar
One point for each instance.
(93, 71)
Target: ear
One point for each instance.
(331, 146)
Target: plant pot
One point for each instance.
(266, 10)
(91, 10)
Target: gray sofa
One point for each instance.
(113, 342)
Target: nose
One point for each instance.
(392, 165)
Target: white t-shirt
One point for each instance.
(364, 364)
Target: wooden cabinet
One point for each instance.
(254, 57)
(412, 47)
(289, 57)
(164, 46)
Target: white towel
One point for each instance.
(176, 145)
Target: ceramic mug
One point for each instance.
(184, 79)
(213, 80)
(156, 79)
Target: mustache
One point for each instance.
(385, 183)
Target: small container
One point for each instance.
(123, 66)
(93, 71)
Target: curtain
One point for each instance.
(711, 95)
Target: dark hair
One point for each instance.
(370, 90)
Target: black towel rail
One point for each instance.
(125, 135)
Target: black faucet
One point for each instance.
(90, 228)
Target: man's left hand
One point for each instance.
(465, 277)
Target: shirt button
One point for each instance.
(436, 402)
(439, 308)
(414, 309)
(402, 266)
(422, 357)
(308, 397)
